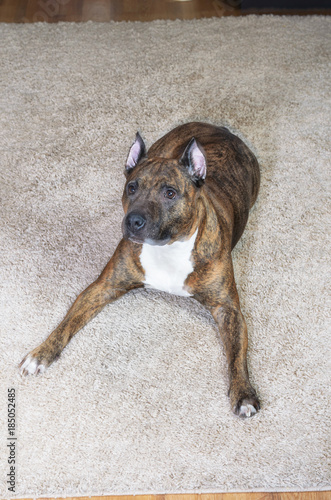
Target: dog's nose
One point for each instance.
(135, 222)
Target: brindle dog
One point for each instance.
(186, 203)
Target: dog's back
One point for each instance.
(233, 174)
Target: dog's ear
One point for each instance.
(194, 160)
(137, 151)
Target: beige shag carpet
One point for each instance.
(137, 403)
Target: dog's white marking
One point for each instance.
(167, 267)
(247, 411)
(31, 366)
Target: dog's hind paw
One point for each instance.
(30, 365)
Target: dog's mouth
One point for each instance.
(147, 241)
(134, 239)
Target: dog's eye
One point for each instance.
(132, 188)
(170, 193)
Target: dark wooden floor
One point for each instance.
(26, 11)
(309, 495)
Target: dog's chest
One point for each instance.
(167, 267)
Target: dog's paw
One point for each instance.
(31, 365)
(247, 407)
(243, 398)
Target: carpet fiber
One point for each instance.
(137, 402)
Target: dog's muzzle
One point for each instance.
(134, 224)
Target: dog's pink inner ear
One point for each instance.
(194, 159)
(137, 151)
(198, 161)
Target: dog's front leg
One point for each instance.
(233, 330)
(121, 274)
(214, 286)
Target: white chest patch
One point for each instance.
(167, 267)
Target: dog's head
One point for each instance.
(160, 194)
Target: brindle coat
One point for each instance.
(217, 207)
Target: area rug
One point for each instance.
(138, 401)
